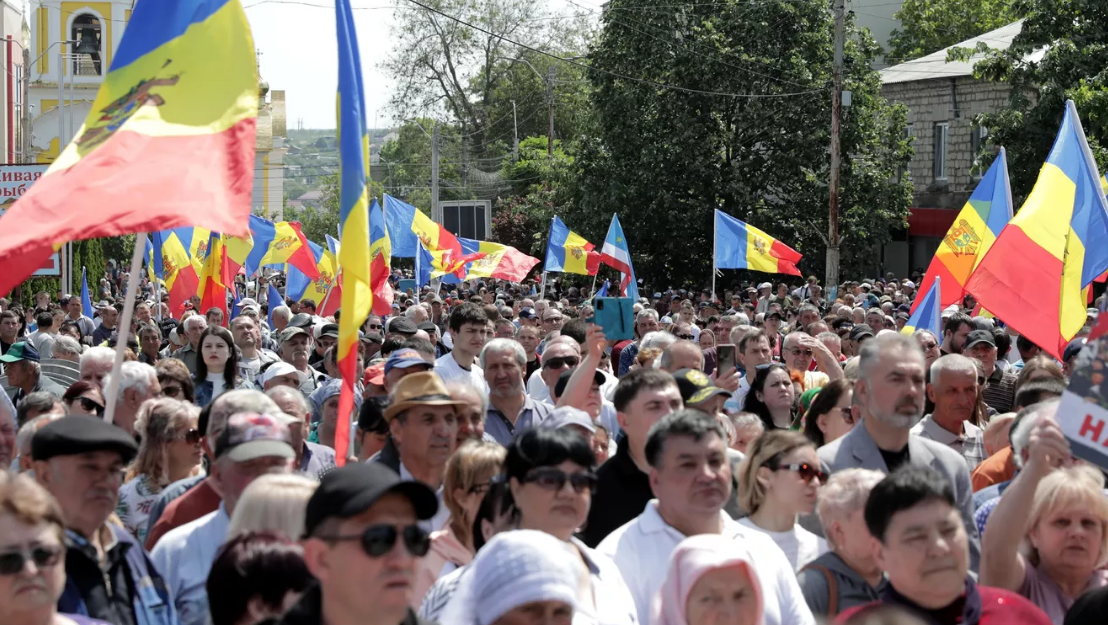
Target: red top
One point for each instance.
(198, 501)
(998, 607)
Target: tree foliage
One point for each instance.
(449, 69)
(666, 158)
(930, 25)
(407, 160)
(1073, 34)
(541, 185)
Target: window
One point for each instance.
(942, 133)
(469, 219)
(86, 54)
(978, 135)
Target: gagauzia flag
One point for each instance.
(615, 253)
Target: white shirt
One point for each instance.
(614, 603)
(738, 400)
(438, 521)
(800, 545)
(641, 549)
(184, 556)
(537, 388)
(450, 371)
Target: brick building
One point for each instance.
(944, 101)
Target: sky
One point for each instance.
(297, 43)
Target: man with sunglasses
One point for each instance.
(798, 352)
(251, 445)
(561, 353)
(80, 460)
(689, 474)
(362, 543)
(21, 364)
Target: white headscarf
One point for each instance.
(513, 569)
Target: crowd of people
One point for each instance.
(769, 457)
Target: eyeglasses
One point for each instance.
(929, 346)
(171, 391)
(377, 540)
(805, 470)
(376, 326)
(12, 562)
(555, 480)
(552, 320)
(687, 337)
(190, 436)
(91, 405)
(563, 361)
(796, 351)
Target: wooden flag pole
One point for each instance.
(112, 391)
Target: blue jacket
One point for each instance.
(203, 390)
(151, 603)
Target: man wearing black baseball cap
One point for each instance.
(80, 460)
(362, 543)
(999, 392)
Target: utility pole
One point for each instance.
(550, 109)
(832, 278)
(463, 139)
(25, 109)
(436, 215)
(515, 132)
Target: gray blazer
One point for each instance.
(857, 450)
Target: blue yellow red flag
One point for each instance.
(354, 253)
(273, 299)
(216, 277)
(277, 244)
(380, 251)
(739, 245)
(973, 232)
(1034, 274)
(928, 313)
(169, 141)
(301, 286)
(173, 265)
(569, 252)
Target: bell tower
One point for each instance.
(72, 44)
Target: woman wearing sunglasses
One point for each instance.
(170, 451)
(829, 416)
(175, 379)
(550, 473)
(32, 555)
(772, 396)
(84, 398)
(778, 481)
(469, 472)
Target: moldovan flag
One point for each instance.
(278, 243)
(169, 141)
(973, 232)
(928, 313)
(494, 260)
(615, 253)
(301, 286)
(216, 277)
(1053, 248)
(569, 252)
(742, 246)
(380, 252)
(354, 251)
(412, 234)
(172, 265)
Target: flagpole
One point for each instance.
(715, 224)
(542, 294)
(594, 277)
(112, 391)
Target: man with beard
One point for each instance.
(691, 479)
(890, 391)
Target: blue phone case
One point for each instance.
(616, 316)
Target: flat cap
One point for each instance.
(351, 490)
(78, 434)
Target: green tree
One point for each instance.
(747, 133)
(407, 160)
(540, 186)
(930, 25)
(1070, 35)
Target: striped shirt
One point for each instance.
(1000, 391)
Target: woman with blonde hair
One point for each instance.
(170, 451)
(273, 502)
(469, 473)
(1058, 513)
(778, 481)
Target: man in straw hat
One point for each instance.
(423, 422)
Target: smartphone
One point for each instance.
(616, 316)
(725, 359)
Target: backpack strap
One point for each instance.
(832, 587)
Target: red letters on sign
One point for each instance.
(1088, 427)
